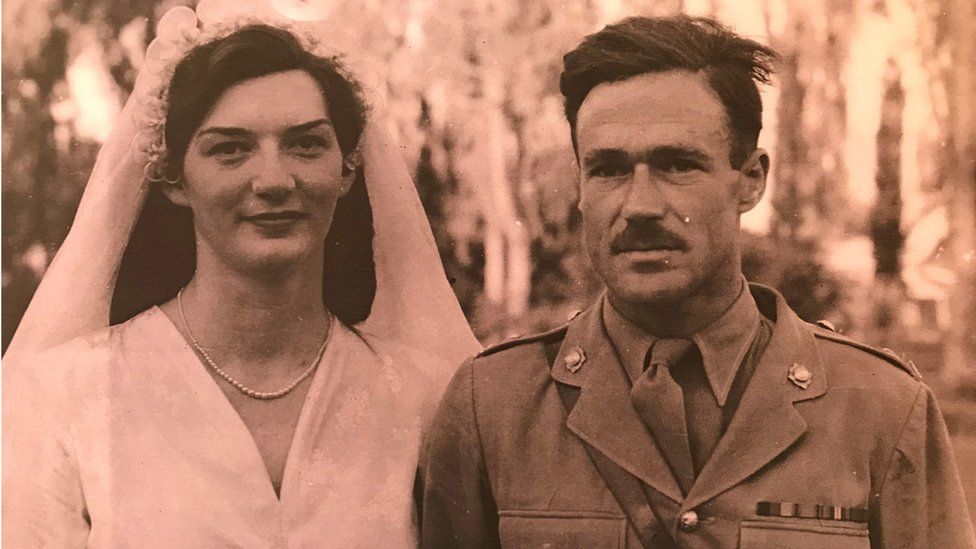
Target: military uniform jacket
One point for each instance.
(861, 447)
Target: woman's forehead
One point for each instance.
(271, 102)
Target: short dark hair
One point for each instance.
(161, 255)
(640, 45)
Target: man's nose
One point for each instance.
(273, 179)
(644, 197)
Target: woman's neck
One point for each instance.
(255, 317)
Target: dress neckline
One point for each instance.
(221, 409)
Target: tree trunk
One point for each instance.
(961, 190)
(886, 232)
(501, 199)
(789, 170)
(494, 263)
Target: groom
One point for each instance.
(686, 407)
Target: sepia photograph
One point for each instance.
(489, 273)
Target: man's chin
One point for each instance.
(651, 288)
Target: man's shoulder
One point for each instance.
(842, 356)
(852, 362)
(521, 357)
(518, 345)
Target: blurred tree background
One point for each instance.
(869, 221)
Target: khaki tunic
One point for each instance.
(505, 465)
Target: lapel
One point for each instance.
(603, 416)
(767, 421)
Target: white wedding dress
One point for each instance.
(127, 441)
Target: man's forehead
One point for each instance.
(672, 104)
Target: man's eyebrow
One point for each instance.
(239, 132)
(604, 155)
(684, 151)
(657, 153)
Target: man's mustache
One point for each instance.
(646, 236)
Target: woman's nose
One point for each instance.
(273, 178)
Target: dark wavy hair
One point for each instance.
(161, 255)
(640, 45)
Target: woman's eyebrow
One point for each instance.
(231, 131)
(307, 126)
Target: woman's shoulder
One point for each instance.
(80, 360)
(146, 324)
(408, 354)
(405, 363)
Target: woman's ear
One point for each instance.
(348, 178)
(175, 191)
(752, 180)
(350, 166)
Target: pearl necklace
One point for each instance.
(237, 384)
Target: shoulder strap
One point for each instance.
(626, 488)
(546, 338)
(826, 332)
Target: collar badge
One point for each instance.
(574, 359)
(799, 375)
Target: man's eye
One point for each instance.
(679, 165)
(610, 170)
(309, 145)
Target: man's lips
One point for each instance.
(648, 245)
(648, 248)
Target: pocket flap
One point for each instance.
(791, 534)
(561, 530)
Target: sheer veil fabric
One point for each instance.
(414, 304)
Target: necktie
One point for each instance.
(674, 400)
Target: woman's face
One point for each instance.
(262, 174)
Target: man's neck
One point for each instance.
(683, 316)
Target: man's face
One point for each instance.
(659, 197)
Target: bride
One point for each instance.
(292, 328)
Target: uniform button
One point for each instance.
(688, 522)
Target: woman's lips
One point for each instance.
(275, 219)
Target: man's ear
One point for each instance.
(175, 192)
(578, 173)
(752, 180)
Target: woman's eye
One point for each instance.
(228, 150)
(309, 145)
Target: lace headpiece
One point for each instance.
(182, 29)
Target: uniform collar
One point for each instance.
(766, 423)
(723, 343)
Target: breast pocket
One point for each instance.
(755, 534)
(561, 530)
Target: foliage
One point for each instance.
(795, 270)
